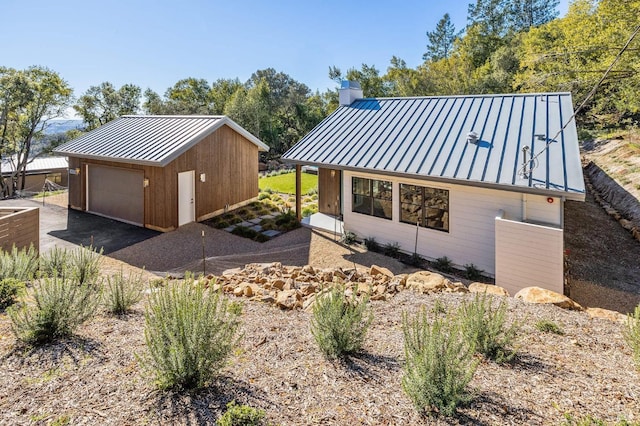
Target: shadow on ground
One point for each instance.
(110, 235)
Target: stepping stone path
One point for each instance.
(254, 224)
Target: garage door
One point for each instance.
(116, 193)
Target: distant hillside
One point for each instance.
(61, 126)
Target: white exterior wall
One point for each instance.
(472, 213)
(528, 255)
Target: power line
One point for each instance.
(523, 169)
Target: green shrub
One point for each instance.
(243, 231)
(120, 292)
(189, 332)
(391, 249)
(439, 364)
(59, 306)
(339, 325)
(222, 224)
(548, 326)
(348, 237)
(471, 272)
(287, 221)
(241, 415)
(55, 263)
(415, 259)
(261, 238)
(19, 264)
(443, 264)
(485, 327)
(10, 289)
(631, 335)
(309, 210)
(85, 264)
(588, 420)
(371, 244)
(264, 195)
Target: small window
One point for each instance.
(372, 197)
(429, 207)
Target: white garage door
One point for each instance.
(116, 193)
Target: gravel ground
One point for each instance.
(94, 378)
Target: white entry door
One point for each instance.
(186, 197)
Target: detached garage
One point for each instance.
(162, 172)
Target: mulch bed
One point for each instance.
(94, 378)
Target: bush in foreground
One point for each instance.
(85, 264)
(241, 415)
(485, 327)
(55, 262)
(189, 334)
(439, 364)
(19, 264)
(339, 325)
(10, 289)
(59, 306)
(120, 292)
(631, 335)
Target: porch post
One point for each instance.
(298, 191)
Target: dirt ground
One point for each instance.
(604, 259)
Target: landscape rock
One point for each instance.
(426, 282)
(544, 296)
(288, 299)
(379, 270)
(477, 287)
(606, 314)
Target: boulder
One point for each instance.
(487, 288)
(541, 295)
(426, 282)
(288, 299)
(278, 283)
(379, 270)
(456, 287)
(606, 314)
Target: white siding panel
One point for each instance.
(472, 213)
(528, 255)
(539, 209)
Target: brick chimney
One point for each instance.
(349, 91)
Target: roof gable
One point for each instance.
(426, 137)
(149, 139)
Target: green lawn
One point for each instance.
(286, 183)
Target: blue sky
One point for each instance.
(153, 44)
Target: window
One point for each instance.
(429, 207)
(372, 197)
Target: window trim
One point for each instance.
(371, 197)
(423, 207)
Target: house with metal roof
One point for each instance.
(480, 179)
(162, 172)
(38, 172)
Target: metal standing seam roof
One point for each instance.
(149, 139)
(426, 137)
(37, 164)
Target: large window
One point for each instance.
(429, 207)
(372, 197)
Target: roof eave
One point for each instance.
(568, 195)
(114, 159)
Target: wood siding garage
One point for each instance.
(116, 193)
(226, 160)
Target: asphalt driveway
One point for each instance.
(64, 227)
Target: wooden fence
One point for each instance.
(19, 226)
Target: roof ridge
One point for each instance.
(488, 95)
(172, 116)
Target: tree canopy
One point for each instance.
(28, 100)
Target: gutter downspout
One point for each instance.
(524, 207)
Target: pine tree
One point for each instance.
(440, 40)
